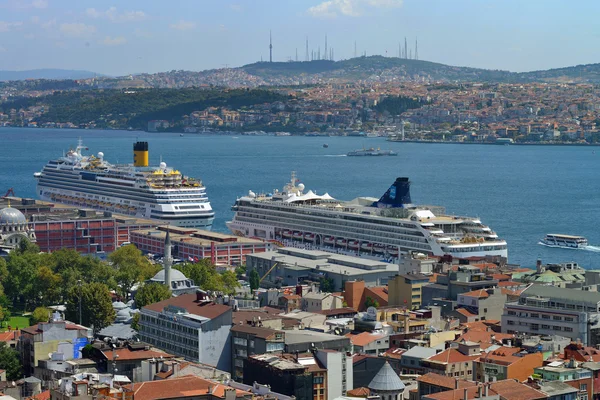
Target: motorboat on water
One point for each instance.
(564, 241)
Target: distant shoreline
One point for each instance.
(498, 144)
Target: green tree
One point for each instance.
(131, 267)
(254, 280)
(135, 321)
(240, 271)
(25, 246)
(370, 302)
(326, 285)
(151, 293)
(47, 287)
(40, 314)
(10, 362)
(22, 273)
(96, 306)
(204, 274)
(230, 282)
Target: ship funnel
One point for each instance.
(398, 195)
(140, 154)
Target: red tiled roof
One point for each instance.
(41, 396)
(451, 356)
(338, 311)
(187, 386)
(124, 354)
(479, 336)
(480, 294)
(9, 335)
(359, 392)
(191, 305)
(513, 390)
(465, 312)
(364, 338)
(443, 381)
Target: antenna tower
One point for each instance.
(270, 47)
(355, 49)
(405, 48)
(307, 59)
(416, 48)
(325, 53)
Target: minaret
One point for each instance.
(270, 48)
(168, 260)
(416, 49)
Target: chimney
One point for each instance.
(479, 391)
(485, 390)
(538, 266)
(465, 393)
(455, 383)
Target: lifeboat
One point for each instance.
(341, 242)
(287, 234)
(353, 244)
(392, 250)
(367, 246)
(378, 248)
(329, 240)
(309, 236)
(297, 235)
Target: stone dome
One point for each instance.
(123, 316)
(176, 276)
(386, 380)
(11, 216)
(118, 305)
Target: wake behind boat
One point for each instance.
(564, 241)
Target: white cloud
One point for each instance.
(77, 29)
(39, 4)
(113, 41)
(236, 7)
(349, 8)
(183, 25)
(8, 26)
(34, 19)
(113, 15)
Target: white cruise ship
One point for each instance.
(388, 226)
(161, 193)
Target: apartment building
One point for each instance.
(549, 310)
(190, 326)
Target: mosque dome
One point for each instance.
(11, 216)
(123, 316)
(176, 276)
(119, 305)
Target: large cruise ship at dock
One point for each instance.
(137, 189)
(388, 226)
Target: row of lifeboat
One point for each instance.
(61, 198)
(350, 244)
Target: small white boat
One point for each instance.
(287, 234)
(309, 236)
(341, 242)
(367, 246)
(564, 241)
(297, 235)
(353, 244)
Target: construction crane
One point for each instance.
(268, 272)
(9, 192)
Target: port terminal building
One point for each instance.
(289, 266)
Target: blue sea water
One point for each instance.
(522, 192)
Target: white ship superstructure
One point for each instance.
(388, 226)
(161, 193)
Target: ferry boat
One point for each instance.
(390, 225)
(161, 192)
(372, 152)
(566, 241)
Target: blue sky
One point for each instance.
(120, 37)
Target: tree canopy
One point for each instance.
(131, 267)
(96, 306)
(151, 293)
(205, 275)
(254, 279)
(10, 362)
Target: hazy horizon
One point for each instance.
(150, 36)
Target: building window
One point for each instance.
(544, 316)
(557, 318)
(569, 319)
(533, 315)
(240, 341)
(545, 326)
(583, 386)
(510, 322)
(556, 328)
(568, 329)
